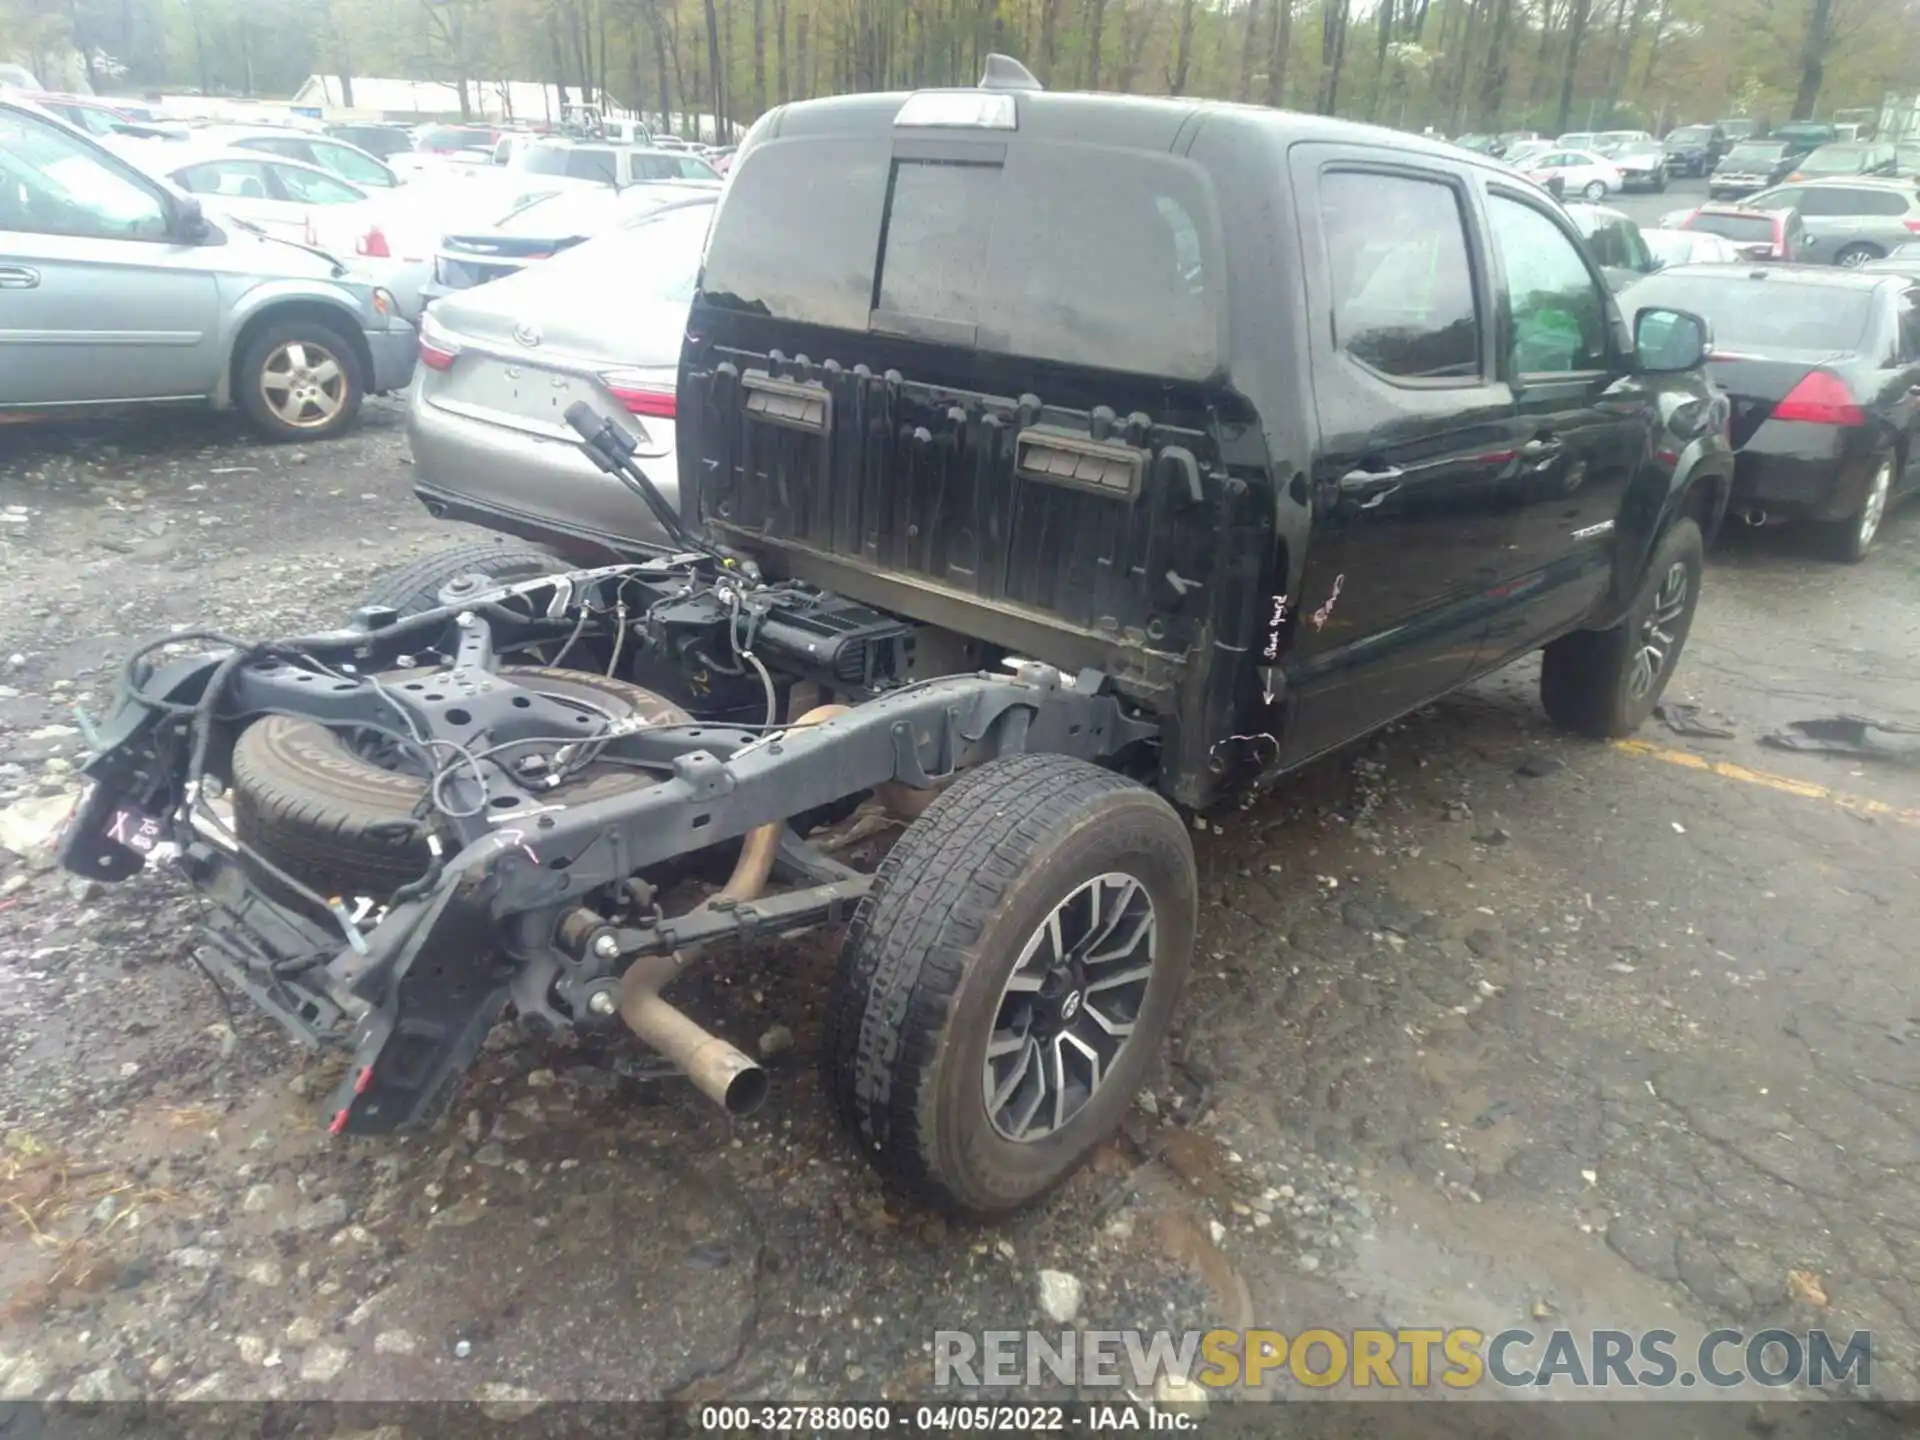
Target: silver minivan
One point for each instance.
(116, 289)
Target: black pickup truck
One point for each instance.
(1046, 462)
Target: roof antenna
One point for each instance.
(1003, 72)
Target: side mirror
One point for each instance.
(189, 220)
(1668, 341)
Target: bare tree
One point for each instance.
(1096, 22)
(1333, 52)
(759, 57)
(1182, 51)
(1250, 27)
(719, 105)
(1814, 49)
(1278, 53)
(780, 49)
(1569, 71)
(1136, 30)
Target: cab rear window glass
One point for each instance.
(1735, 227)
(1058, 252)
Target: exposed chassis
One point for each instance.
(411, 982)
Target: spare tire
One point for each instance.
(317, 805)
(416, 587)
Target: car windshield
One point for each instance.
(657, 259)
(1804, 134)
(1629, 148)
(581, 212)
(52, 183)
(381, 140)
(1745, 228)
(454, 137)
(1690, 135)
(1761, 155)
(575, 162)
(1759, 315)
(1835, 160)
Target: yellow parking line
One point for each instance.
(1785, 784)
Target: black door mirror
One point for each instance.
(1667, 341)
(189, 220)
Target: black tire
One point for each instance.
(1854, 256)
(342, 825)
(1595, 190)
(925, 967)
(250, 395)
(1588, 681)
(416, 587)
(1851, 540)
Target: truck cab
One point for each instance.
(1284, 424)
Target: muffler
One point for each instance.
(1753, 518)
(718, 1070)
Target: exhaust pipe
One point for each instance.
(718, 1070)
(1754, 518)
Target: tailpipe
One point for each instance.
(1754, 519)
(718, 1070)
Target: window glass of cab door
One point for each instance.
(52, 183)
(1401, 273)
(1907, 340)
(1558, 310)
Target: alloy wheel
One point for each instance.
(1069, 1007)
(1874, 508)
(304, 384)
(1657, 632)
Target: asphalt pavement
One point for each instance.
(1489, 1027)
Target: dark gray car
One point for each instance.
(1848, 222)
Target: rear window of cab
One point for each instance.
(1077, 254)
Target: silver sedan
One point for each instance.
(500, 364)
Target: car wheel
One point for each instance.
(1005, 986)
(1595, 190)
(1604, 683)
(1852, 538)
(299, 380)
(1854, 256)
(335, 809)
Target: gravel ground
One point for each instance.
(1488, 1028)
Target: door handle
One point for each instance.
(18, 277)
(1370, 487)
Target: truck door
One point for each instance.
(1585, 424)
(1415, 438)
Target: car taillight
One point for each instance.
(1820, 399)
(1913, 225)
(373, 243)
(438, 350)
(640, 393)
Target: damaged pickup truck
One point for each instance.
(1046, 463)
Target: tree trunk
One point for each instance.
(83, 42)
(1542, 74)
(759, 58)
(1096, 24)
(1385, 16)
(1617, 78)
(1277, 53)
(1136, 30)
(780, 50)
(1813, 58)
(1333, 53)
(1462, 61)
(1493, 89)
(1182, 51)
(1653, 47)
(1569, 71)
(1250, 27)
(802, 75)
(1613, 53)
(660, 66)
(1049, 23)
(719, 104)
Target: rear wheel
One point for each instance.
(1852, 538)
(1604, 683)
(1854, 256)
(1006, 985)
(1596, 190)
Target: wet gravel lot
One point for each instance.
(1488, 1028)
